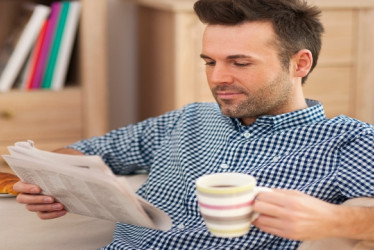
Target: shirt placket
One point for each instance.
(233, 150)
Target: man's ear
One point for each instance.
(301, 63)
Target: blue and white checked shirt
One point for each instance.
(329, 159)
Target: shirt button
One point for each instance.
(224, 165)
(276, 158)
(247, 134)
(180, 226)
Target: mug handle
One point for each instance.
(256, 192)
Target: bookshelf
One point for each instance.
(171, 74)
(56, 118)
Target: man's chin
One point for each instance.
(230, 112)
(235, 111)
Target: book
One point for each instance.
(65, 51)
(46, 46)
(55, 46)
(16, 50)
(85, 185)
(29, 70)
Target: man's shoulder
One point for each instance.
(343, 119)
(348, 123)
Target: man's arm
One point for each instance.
(68, 151)
(295, 215)
(45, 206)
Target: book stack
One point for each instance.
(36, 55)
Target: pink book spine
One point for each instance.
(35, 56)
(46, 45)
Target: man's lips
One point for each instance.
(228, 95)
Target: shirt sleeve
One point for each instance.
(131, 148)
(356, 169)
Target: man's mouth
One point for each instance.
(228, 94)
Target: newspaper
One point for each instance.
(85, 185)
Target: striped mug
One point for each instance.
(225, 202)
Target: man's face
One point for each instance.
(244, 71)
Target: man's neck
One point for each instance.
(296, 104)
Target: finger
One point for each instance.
(272, 230)
(51, 215)
(45, 208)
(274, 226)
(22, 187)
(271, 197)
(288, 192)
(279, 197)
(268, 221)
(34, 199)
(269, 204)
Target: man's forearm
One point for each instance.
(69, 151)
(356, 223)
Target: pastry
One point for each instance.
(7, 181)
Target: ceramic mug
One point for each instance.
(225, 202)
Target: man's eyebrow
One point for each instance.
(228, 57)
(239, 56)
(204, 56)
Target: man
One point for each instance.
(257, 54)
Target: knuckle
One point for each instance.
(42, 215)
(31, 208)
(19, 198)
(22, 198)
(17, 187)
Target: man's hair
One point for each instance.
(295, 23)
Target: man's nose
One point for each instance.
(220, 74)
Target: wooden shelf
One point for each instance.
(55, 119)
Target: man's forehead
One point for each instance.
(249, 36)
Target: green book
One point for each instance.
(48, 75)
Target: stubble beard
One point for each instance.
(265, 101)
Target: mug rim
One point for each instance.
(205, 188)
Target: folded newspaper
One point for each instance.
(85, 185)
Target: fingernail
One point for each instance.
(34, 190)
(56, 206)
(61, 212)
(48, 200)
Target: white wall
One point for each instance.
(122, 61)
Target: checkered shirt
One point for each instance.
(331, 159)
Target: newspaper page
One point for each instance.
(85, 185)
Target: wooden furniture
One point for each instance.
(54, 119)
(172, 74)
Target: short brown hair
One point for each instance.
(296, 24)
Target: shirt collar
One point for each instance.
(313, 113)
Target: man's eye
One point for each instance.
(241, 64)
(210, 63)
